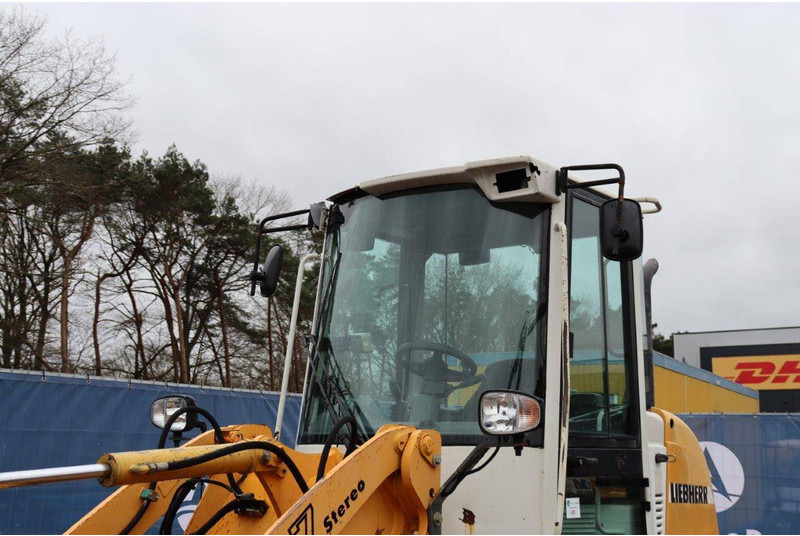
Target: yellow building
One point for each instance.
(682, 388)
(678, 387)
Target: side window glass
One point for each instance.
(598, 371)
(618, 398)
(587, 402)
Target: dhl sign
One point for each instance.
(762, 373)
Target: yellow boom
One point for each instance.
(382, 487)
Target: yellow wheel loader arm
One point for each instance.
(383, 487)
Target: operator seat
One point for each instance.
(498, 375)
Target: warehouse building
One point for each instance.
(681, 388)
(766, 360)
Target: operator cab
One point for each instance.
(435, 296)
(440, 286)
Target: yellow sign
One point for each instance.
(762, 373)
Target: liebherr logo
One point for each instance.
(687, 493)
(727, 474)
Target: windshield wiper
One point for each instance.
(527, 329)
(334, 394)
(340, 388)
(335, 391)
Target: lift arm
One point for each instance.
(384, 486)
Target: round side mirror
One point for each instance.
(271, 270)
(163, 408)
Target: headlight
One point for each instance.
(163, 408)
(507, 413)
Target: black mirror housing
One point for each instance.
(621, 230)
(163, 407)
(271, 271)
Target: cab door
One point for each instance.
(604, 485)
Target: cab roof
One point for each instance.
(510, 179)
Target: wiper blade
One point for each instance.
(527, 329)
(343, 397)
(334, 394)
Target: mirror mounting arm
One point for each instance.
(262, 230)
(562, 184)
(620, 220)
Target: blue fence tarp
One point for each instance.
(754, 459)
(67, 420)
(755, 470)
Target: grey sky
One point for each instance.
(699, 103)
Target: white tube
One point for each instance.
(15, 479)
(287, 360)
(651, 200)
(317, 301)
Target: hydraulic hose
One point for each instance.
(238, 447)
(334, 433)
(222, 512)
(463, 472)
(162, 441)
(214, 424)
(140, 513)
(178, 498)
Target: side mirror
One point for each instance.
(508, 413)
(621, 233)
(163, 408)
(271, 269)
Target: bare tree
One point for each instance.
(229, 255)
(159, 265)
(62, 110)
(56, 94)
(120, 255)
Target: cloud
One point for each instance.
(697, 102)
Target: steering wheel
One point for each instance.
(435, 365)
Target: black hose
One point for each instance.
(334, 433)
(450, 486)
(139, 514)
(222, 512)
(162, 441)
(177, 499)
(238, 447)
(214, 424)
(484, 464)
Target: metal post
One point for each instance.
(15, 479)
(649, 270)
(287, 360)
(317, 302)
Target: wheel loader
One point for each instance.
(476, 365)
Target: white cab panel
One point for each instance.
(507, 497)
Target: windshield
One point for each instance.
(433, 296)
